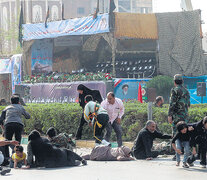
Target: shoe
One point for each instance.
(185, 165)
(191, 165)
(84, 162)
(77, 163)
(97, 144)
(178, 164)
(203, 166)
(105, 143)
(4, 171)
(174, 158)
(5, 163)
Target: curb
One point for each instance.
(82, 143)
(91, 144)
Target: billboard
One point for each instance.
(127, 89)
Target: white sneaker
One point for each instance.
(203, 166)
(105, 143)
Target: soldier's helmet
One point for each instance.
(178, 77)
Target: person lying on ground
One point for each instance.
(182, 140)
(48, 156)
(18, 158)
(62, 140)
(143, 144)
(106, 153)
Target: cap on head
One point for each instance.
(178, 77)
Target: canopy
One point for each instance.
(77, 26)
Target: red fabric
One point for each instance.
(140, 93)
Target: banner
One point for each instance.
(5, 66)
(56, 92)
(78, 26)
(127, 89)
(42, 55)
(16, 70)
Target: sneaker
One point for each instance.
(84, 162)
(4, 171)
(203, 166)
(185, 165)
(105, 143)
(191, 165)
(178, 164)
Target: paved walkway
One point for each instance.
(159, 169)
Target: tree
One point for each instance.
(163, 86)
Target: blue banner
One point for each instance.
(42, 55)
(77, 26)
(191, 84)
(16, 70)
(5, 66)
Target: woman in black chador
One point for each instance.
(83, 92)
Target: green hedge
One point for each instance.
(66, 117)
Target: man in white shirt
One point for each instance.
(115, 110)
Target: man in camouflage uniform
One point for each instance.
(62, 140)
(179, 103)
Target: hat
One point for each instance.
(126, 150)
(178, 77)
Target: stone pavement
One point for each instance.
(159, 169)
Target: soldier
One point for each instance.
(179, 103)
(62, 140)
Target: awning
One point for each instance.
(77, 26)
(131, 25)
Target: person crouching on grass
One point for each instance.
(18, 158)
(181, 139)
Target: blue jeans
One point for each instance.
(179, 145)
(19, 164)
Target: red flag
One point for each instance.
(140, 93)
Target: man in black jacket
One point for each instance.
(200, 137)
(142, 148)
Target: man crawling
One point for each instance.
(106, 153)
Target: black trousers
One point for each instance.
(11, 129)
(202, 145)
(72, 157)
(99, 125)
(80, 128)
(142, 155)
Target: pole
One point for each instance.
(113, 57)
(149, 110)
(201, 99)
